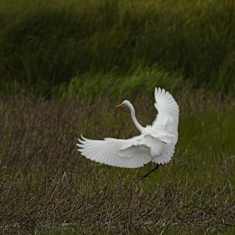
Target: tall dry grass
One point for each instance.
(48, 188)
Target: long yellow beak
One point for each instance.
(119, 105)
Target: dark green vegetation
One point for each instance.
(46, 186)
(44, 45)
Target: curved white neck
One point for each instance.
(133, 117)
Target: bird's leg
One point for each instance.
(151, 171)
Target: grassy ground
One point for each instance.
(83, 57)
(47, 187)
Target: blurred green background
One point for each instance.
(47, 47)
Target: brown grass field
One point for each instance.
(46, 187)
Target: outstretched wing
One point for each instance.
(168, 112)
(115, 152)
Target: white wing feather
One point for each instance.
(165, 126)
(166, 122)
(115, 152)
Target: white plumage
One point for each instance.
(155, 143)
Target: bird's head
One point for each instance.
(125, 103)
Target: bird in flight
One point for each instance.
(155, 143)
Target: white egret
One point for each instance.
(156, 142)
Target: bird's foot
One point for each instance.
(149, 172)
